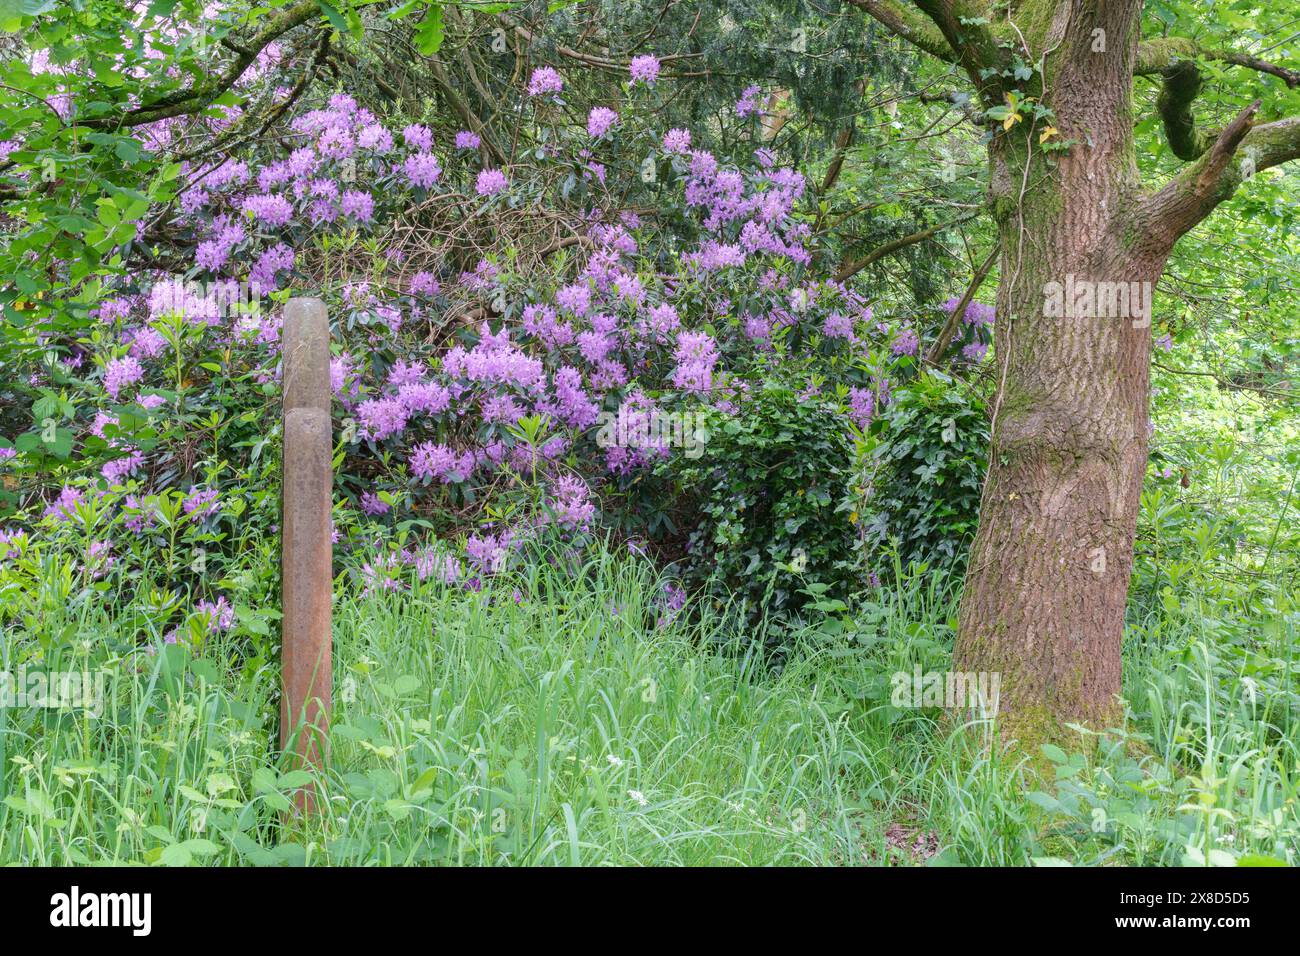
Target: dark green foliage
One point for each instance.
(768, 498)
(926, 470)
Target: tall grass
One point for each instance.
(565, 716)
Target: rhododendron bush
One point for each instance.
(757, 430)
(498, 333)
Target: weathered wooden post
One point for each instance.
(306, 563)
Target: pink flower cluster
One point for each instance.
(644, 69)
(545, 80)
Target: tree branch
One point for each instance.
(976, 47)
(195, 98)
(462, 110)
(950, 327)
(851, 269)
(1195, 192)
(1156, 56)
(905, 22)
(1182, 84)
(1175, 60)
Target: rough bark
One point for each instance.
(1043, 603)
(1045, 592)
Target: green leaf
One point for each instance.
(127, 150)
(336, 19)
(61, 447)
(1054, 753)
(277, 802)
(263, 780)
(1044, 800)
(294, 779)
(176, 855)
(199, 847)
(429, 35)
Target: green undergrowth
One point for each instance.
(568, 717)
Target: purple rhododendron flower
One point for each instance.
(422, 169)
(545, 80)
(219, 615)
(576, 298)
(64, 506)
(600, 121)
(424, 283)
(862, 406)
(570, 504)
(490, 182)
(382, 418)
(677, 141)
(429, 460)
(418, 137)
(977, 313)
(747, 105)
(644, 69)
(147, 342)
(906, 342)
(358, 204)
(200, 504)
(375, 138)
(336, 143)
(119, 468)
(274, 210)
(120, 373)
(838, 326)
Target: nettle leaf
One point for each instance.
(61, 444)
(1054, 753)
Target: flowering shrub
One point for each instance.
(974, 331)
(473, 385)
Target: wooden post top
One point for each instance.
(305, 351)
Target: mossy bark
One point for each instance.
(1048, 576)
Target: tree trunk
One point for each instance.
(1043, 605)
